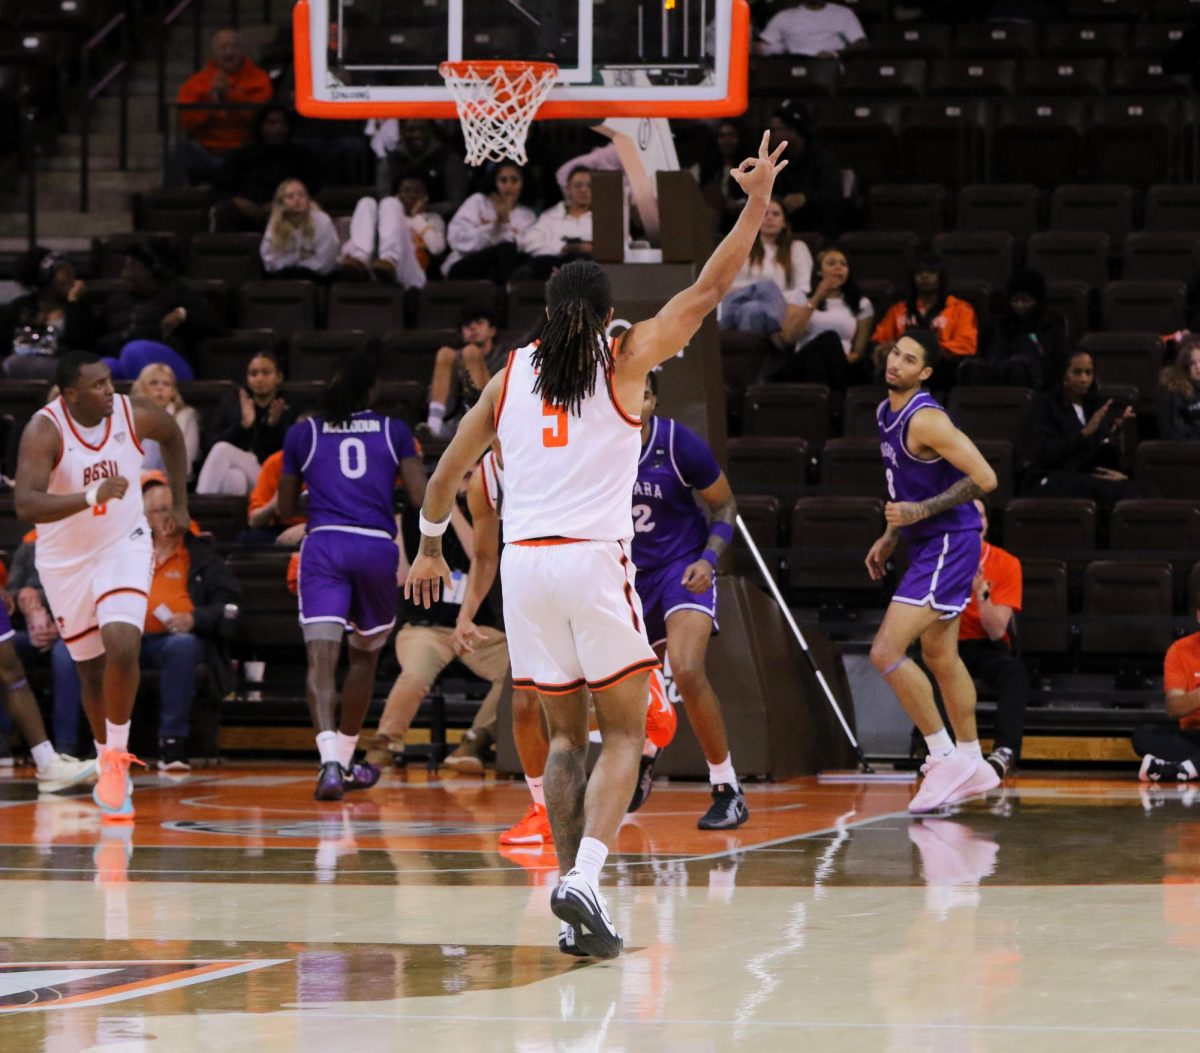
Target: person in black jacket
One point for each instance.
(50, 318)
(1023, 347)
(811, 185)
(1072, 441)
(186, 628)
(247, 427)
(155, 318)
(244, 186)
(1179, 393)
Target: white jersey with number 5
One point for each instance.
(567, 475)
(89, 456)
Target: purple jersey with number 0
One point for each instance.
(910, 478)
(350, 469)
(668, 525)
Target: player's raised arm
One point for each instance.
(475, 434)
(40, 448)
(153, 422)
(933, 430)
(656, 339)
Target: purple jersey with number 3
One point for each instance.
(350, 469)
(911, 478)
(668, 525)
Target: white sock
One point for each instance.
(723, 773)
(117, 736)
(437, 413)
(590, 858)
(1190, 768)
(100, 748)
(940, 746)
(346, 745)
(327, 747)
(971, 749)
(649, 749)
(535, 789)
(43, 754)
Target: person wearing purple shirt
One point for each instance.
(676, 549)
(934, 473)
(348, 457)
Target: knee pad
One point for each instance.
(331, 631)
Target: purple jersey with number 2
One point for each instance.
(350, 469)
(668, 525)
(910, 478)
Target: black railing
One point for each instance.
(170, 19)
(119, 72)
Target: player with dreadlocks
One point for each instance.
(348, 458)
(565, 412)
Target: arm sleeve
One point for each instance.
(602, 159)
(802, 265)
(543, 238)
(852, 31)
(251, 85)
(468, 230)
(959, 336)
(296, 447)
(1007, 588)
(195, 90)
(325, 248)
(272, 260)
(402, 439)
(693, 458)
(1177, 676)
(772, 36)
(888, 328)
(435, 234)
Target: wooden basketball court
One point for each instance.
(239, 914)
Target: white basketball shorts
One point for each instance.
(112, 585)
(572, 616)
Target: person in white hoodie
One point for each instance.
(777, 272)
(394, 239)
(485, 231)
(300, 240)
(563, 232)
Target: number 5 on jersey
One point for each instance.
(557, 434)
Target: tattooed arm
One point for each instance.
(932, 434)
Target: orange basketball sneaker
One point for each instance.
(114, 788)
(661, 720)
(533, 829)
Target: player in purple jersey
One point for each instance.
(934, 473)
(348, 457)
(676, 549)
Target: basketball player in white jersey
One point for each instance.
(565, 410)
(94, 554)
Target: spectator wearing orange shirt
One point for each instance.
(265, 526)
(986, 651)
(185, 625)
(211, 135)
(1172, 753)
(930, 306)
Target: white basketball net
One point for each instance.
(496, 103)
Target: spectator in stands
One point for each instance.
(986, 650)
(51, 317)
(485, 232)
(411, 144)
(300, 240)
(394, 239)
(722, 192)
(1171, 753)
(244, 186)
(155, 317)
(930, 306)
(1178, 397)
(563, 232)
(427, 643)
(185, 623)
(247, 428)
(1073, 441)
(463, 372)
(820, 29)
(157, 383)
(265, 525)
(811, 185)
(777, 272)
(827, 330)
(212, 133)
(1025, 347)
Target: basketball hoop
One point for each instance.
(496, 102)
